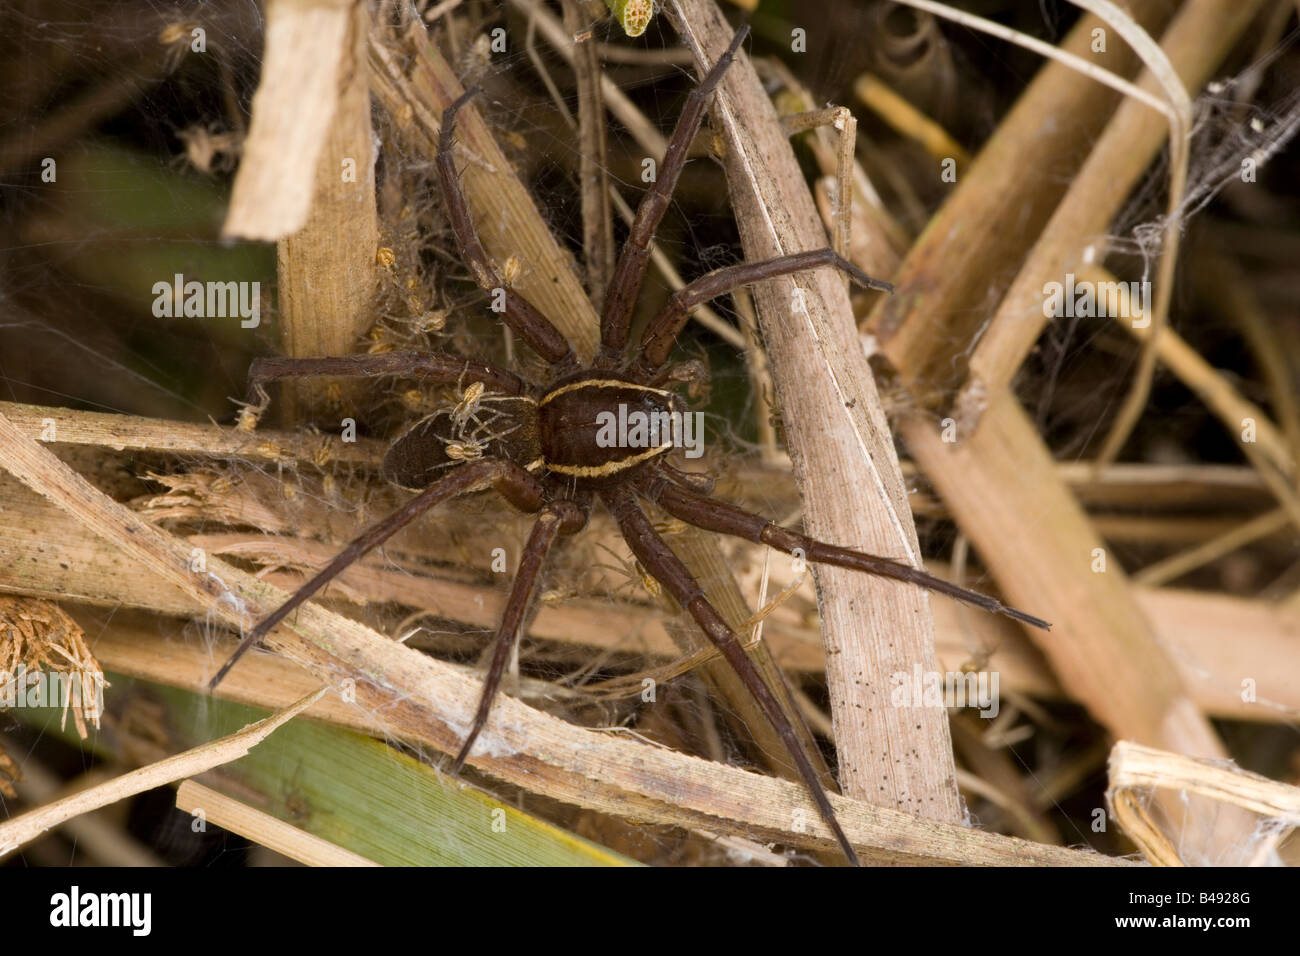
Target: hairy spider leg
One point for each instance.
(662, 332)
(520, 314)
(558, 517)
(658, 559)
(438, 367)
(513, 483)
(713, 514)
(629, 272)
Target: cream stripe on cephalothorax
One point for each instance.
(571, 421)
(609, 467)
(600, 383)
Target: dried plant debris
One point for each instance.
(44, 662)
(1136, 772)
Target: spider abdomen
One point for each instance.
(495, 426)
(598, 426)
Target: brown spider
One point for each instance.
(542, 447)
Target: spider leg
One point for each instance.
(667, 568)
(625, 286)
(725, 518)
(517, 486)
(664, 328)
(520, 314)
(439, 368)
(558, 517)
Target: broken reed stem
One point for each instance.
(874, 235)
(327, 270)
(97, 835)
(1135, 820)
(20, 830)
(1134, 766)
(135, 433)
(1137, 772)
(38, 635)
(846, 125)
(305, 54)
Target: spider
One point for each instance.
(541, 447)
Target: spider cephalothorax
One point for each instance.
(592, 429)
(589, 433)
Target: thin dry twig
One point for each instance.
(22, 829)
(593, 159)
(906, 119)
(262, 828)
(96, 834)
(1176, 565)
